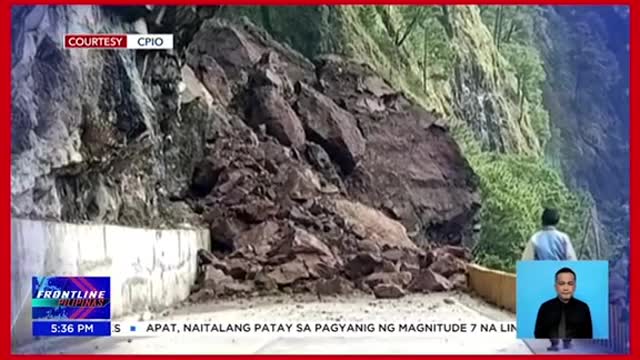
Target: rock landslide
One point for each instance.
(311, 175)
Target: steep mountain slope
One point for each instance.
(588, 101)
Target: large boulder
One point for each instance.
(237, 49)
(212, 76)
(302, 184)
(447, 265)
(257, 241)
(428, 281)
(361, 265)
(270, 108)
(412, 169)
(459, 252)
(388, 291)
(335, 129)
(301, 241)
(378, 228)
(288, 273)
(333, 286)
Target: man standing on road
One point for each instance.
(550, 244)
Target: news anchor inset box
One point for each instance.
(536, 285)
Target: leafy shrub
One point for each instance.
(515, 189)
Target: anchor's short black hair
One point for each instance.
(565, 270)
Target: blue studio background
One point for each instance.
(535, 284)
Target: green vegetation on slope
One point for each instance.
(513, 35)
(443, 56)
(515, 188)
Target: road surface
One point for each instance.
(442, 307)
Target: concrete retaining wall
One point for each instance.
(496, 287)
(148, 268)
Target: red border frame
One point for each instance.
(5, 159)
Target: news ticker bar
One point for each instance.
(253, 329)
(119, 41)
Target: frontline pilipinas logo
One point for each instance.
(71, 298)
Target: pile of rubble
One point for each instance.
(313, 172)
(387, 272)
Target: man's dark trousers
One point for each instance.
(565, 342)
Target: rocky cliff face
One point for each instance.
(588, 101)
(73, 111)
(483, 95)
(295, 165)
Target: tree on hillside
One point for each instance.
(497, 25)
(529, 72)
(445, 20)
(520, 24)
(424, 27)
(509, 23)
(412, 16)
(385, 16)
(427, 28)
(436, 50)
